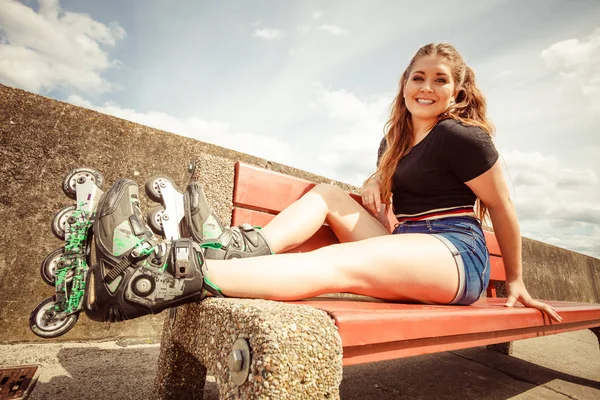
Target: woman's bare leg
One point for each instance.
(298, 222)
(392, 267)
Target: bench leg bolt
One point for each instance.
(236, 361)
(239, 361)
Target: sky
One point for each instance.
(310, 83)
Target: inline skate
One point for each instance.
(139, 267)
(135, 272)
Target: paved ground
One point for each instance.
(563, 366)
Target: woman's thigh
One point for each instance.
(348, 219)
(413, 267)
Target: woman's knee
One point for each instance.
(328, 191)
(342, 260)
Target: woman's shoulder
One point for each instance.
(456, 135)
(456, 127)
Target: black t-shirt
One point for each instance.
(432, 175)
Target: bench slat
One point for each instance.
(492, 243)
(259, 188)
(270, 191)
(497, 272)
(388, 351)
(367, 323)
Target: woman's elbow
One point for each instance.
(500, 203)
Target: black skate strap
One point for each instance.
(118, 270)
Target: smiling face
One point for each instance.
(429, 89)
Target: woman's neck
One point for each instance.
(421, 128)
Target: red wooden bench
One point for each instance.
(373, 331)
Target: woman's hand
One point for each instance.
(516, 291)
(371, 196)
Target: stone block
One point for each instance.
(296, 352)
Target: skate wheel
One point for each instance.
(44, 328)
(70, 181)
(60, 221)
(155, 218)
(154, 184)
(49, 266)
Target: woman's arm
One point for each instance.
(491, 188)
(371, 200)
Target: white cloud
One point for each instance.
(317, 15)
(584, 239)
(53, 48)
(500, 75)
(306, 29)
(297, 50)
(215, 132)
(269, 34)
(578, 64)
(555, 203)
(348, 154)
(574, 178)
(329, 28)
(334, 30)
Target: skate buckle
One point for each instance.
(181, 250)
(246, 227)
(142, 249)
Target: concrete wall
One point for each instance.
(43, 139)
(554, 273)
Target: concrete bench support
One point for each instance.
(296, 351)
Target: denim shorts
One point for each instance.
(464, 238)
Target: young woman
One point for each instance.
(436, 160)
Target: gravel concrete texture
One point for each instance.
(296, 350)
(565, 366)
(216, 175)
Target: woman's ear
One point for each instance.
(456, 92)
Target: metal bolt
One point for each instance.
(162, 184)
(81, 179)
(165, 217)
(236, 361)
(239, 361)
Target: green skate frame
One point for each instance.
(77, 240)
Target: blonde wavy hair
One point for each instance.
(469, 108)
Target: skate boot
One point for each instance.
(138, 273)
(66, 268)
(202, 224)
(219, 243)
(237, 242)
